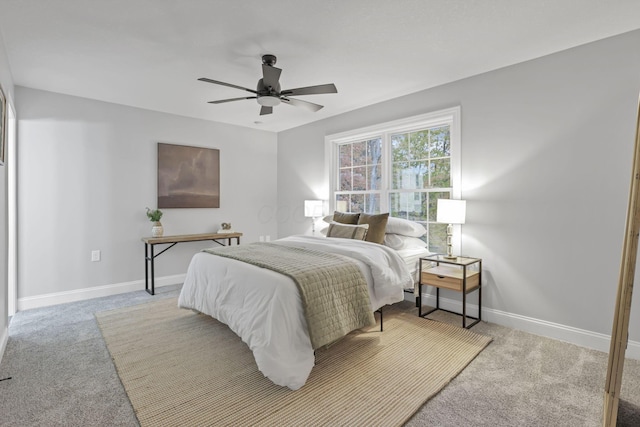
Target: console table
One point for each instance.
(150, 242)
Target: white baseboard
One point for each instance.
(46, 300)
(4, 339)
(581, 337)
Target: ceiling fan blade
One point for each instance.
(270, 75)
(304, 104)
(310, 90)
(266, 110)
(231, 99)
(204, 79)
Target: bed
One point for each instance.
(411, 258)
(264, 307)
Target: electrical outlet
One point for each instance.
(262, 238)
(95, 256)
(267, 238)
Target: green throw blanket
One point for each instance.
(332, 287)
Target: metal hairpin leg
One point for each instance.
(149, 259)
(381, 318)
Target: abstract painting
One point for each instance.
(188, 177)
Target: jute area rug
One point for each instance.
(180, 368)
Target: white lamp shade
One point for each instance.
(451, 211)
(312, 208)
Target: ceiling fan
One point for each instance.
(268, 92)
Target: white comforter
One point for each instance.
(264, 307)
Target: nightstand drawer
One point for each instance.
(449, 278)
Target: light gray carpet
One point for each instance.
(62, 375)
(522, 379)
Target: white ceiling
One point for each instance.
(149, 53)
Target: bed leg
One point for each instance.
(380, 311)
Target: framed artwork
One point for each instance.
(188, 177)
(3, 127)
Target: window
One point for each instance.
(402, 167)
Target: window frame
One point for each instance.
(449, 116)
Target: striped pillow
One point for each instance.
(348, 231)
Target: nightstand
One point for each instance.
(460, 274)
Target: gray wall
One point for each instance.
(87, 170)
(546, 162)
(6, 81)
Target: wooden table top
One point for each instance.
(189, 238)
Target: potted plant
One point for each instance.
(154, 216)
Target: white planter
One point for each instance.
(157, 230)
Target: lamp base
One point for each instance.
(449, 254)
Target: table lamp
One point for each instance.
(313, 210)
(451, 212)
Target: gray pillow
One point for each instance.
(347, 231)
(377, 224)
(345, 217)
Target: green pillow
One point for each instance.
(377, 226)
(345, 217)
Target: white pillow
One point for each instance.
(328, 218)
(404, 227)
(398, 241)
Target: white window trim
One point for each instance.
(449, 115)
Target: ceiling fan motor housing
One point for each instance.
(268, 96)
(269, 60)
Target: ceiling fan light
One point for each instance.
(268, 100)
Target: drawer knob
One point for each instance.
(440, 277)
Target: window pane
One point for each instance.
(342, 203)
(398, 204)
(433, 203)
(400, 147)
(374, 151)
(359, 153)
(403, 176)
(420, 174)
(419, 145)
(372, 203)
(440, 173)
(438, 238)
(397, 174)
(374, 176)
(411, 206)
(357, 203)
(418, 208)
(440, 142)
(345, 155)
(360, 178)
(345, 179)
(411, 175)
